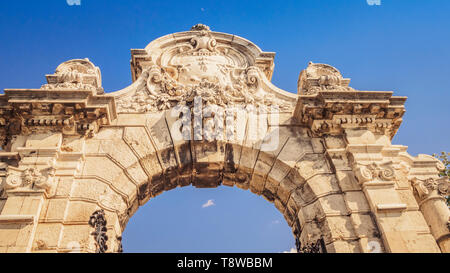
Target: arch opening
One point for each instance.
(221, 219)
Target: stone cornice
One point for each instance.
(330, 112)
(25, 111)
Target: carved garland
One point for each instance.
(161, 92)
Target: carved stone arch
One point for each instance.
(77, 162)
(296, 177)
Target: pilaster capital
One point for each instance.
(29, 180)
(375, 172)
(432, 187)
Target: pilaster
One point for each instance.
(43, 133)
(431, 194)
(357, 128)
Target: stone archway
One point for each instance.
(202, 111)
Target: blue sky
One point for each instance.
(401, 46)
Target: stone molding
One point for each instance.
(328, 105)
(70, 111)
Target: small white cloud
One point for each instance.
(293, 250)
(209, 203)
(275, 222)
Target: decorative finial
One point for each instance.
(200, 27)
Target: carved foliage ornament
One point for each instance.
(30, 178)
(201, 66)
(432, 187)
(375, 172)
(200, 27)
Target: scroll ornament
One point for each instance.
(430, 187)
(162, 92)
(30, 179)
(375, 172)
(201, 67)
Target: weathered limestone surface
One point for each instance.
(202, 111)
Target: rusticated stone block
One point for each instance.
(101, 167)
(79, 212)
(114, 133)
(64, 187)
(151, 166)
(139, 141)
(9, 234)
(338, 228)
(56, 210)
(47, 236)
(285, 189)
(159, 132)
(365, 226)
(343, 246)
(119, 151)
(310, 213)
(78, 235)
(312, 164)
(347, 181)
(333, 204)
(136, 172)
(407, 197)
(279, 205)
(356, 201)
(323, 185)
